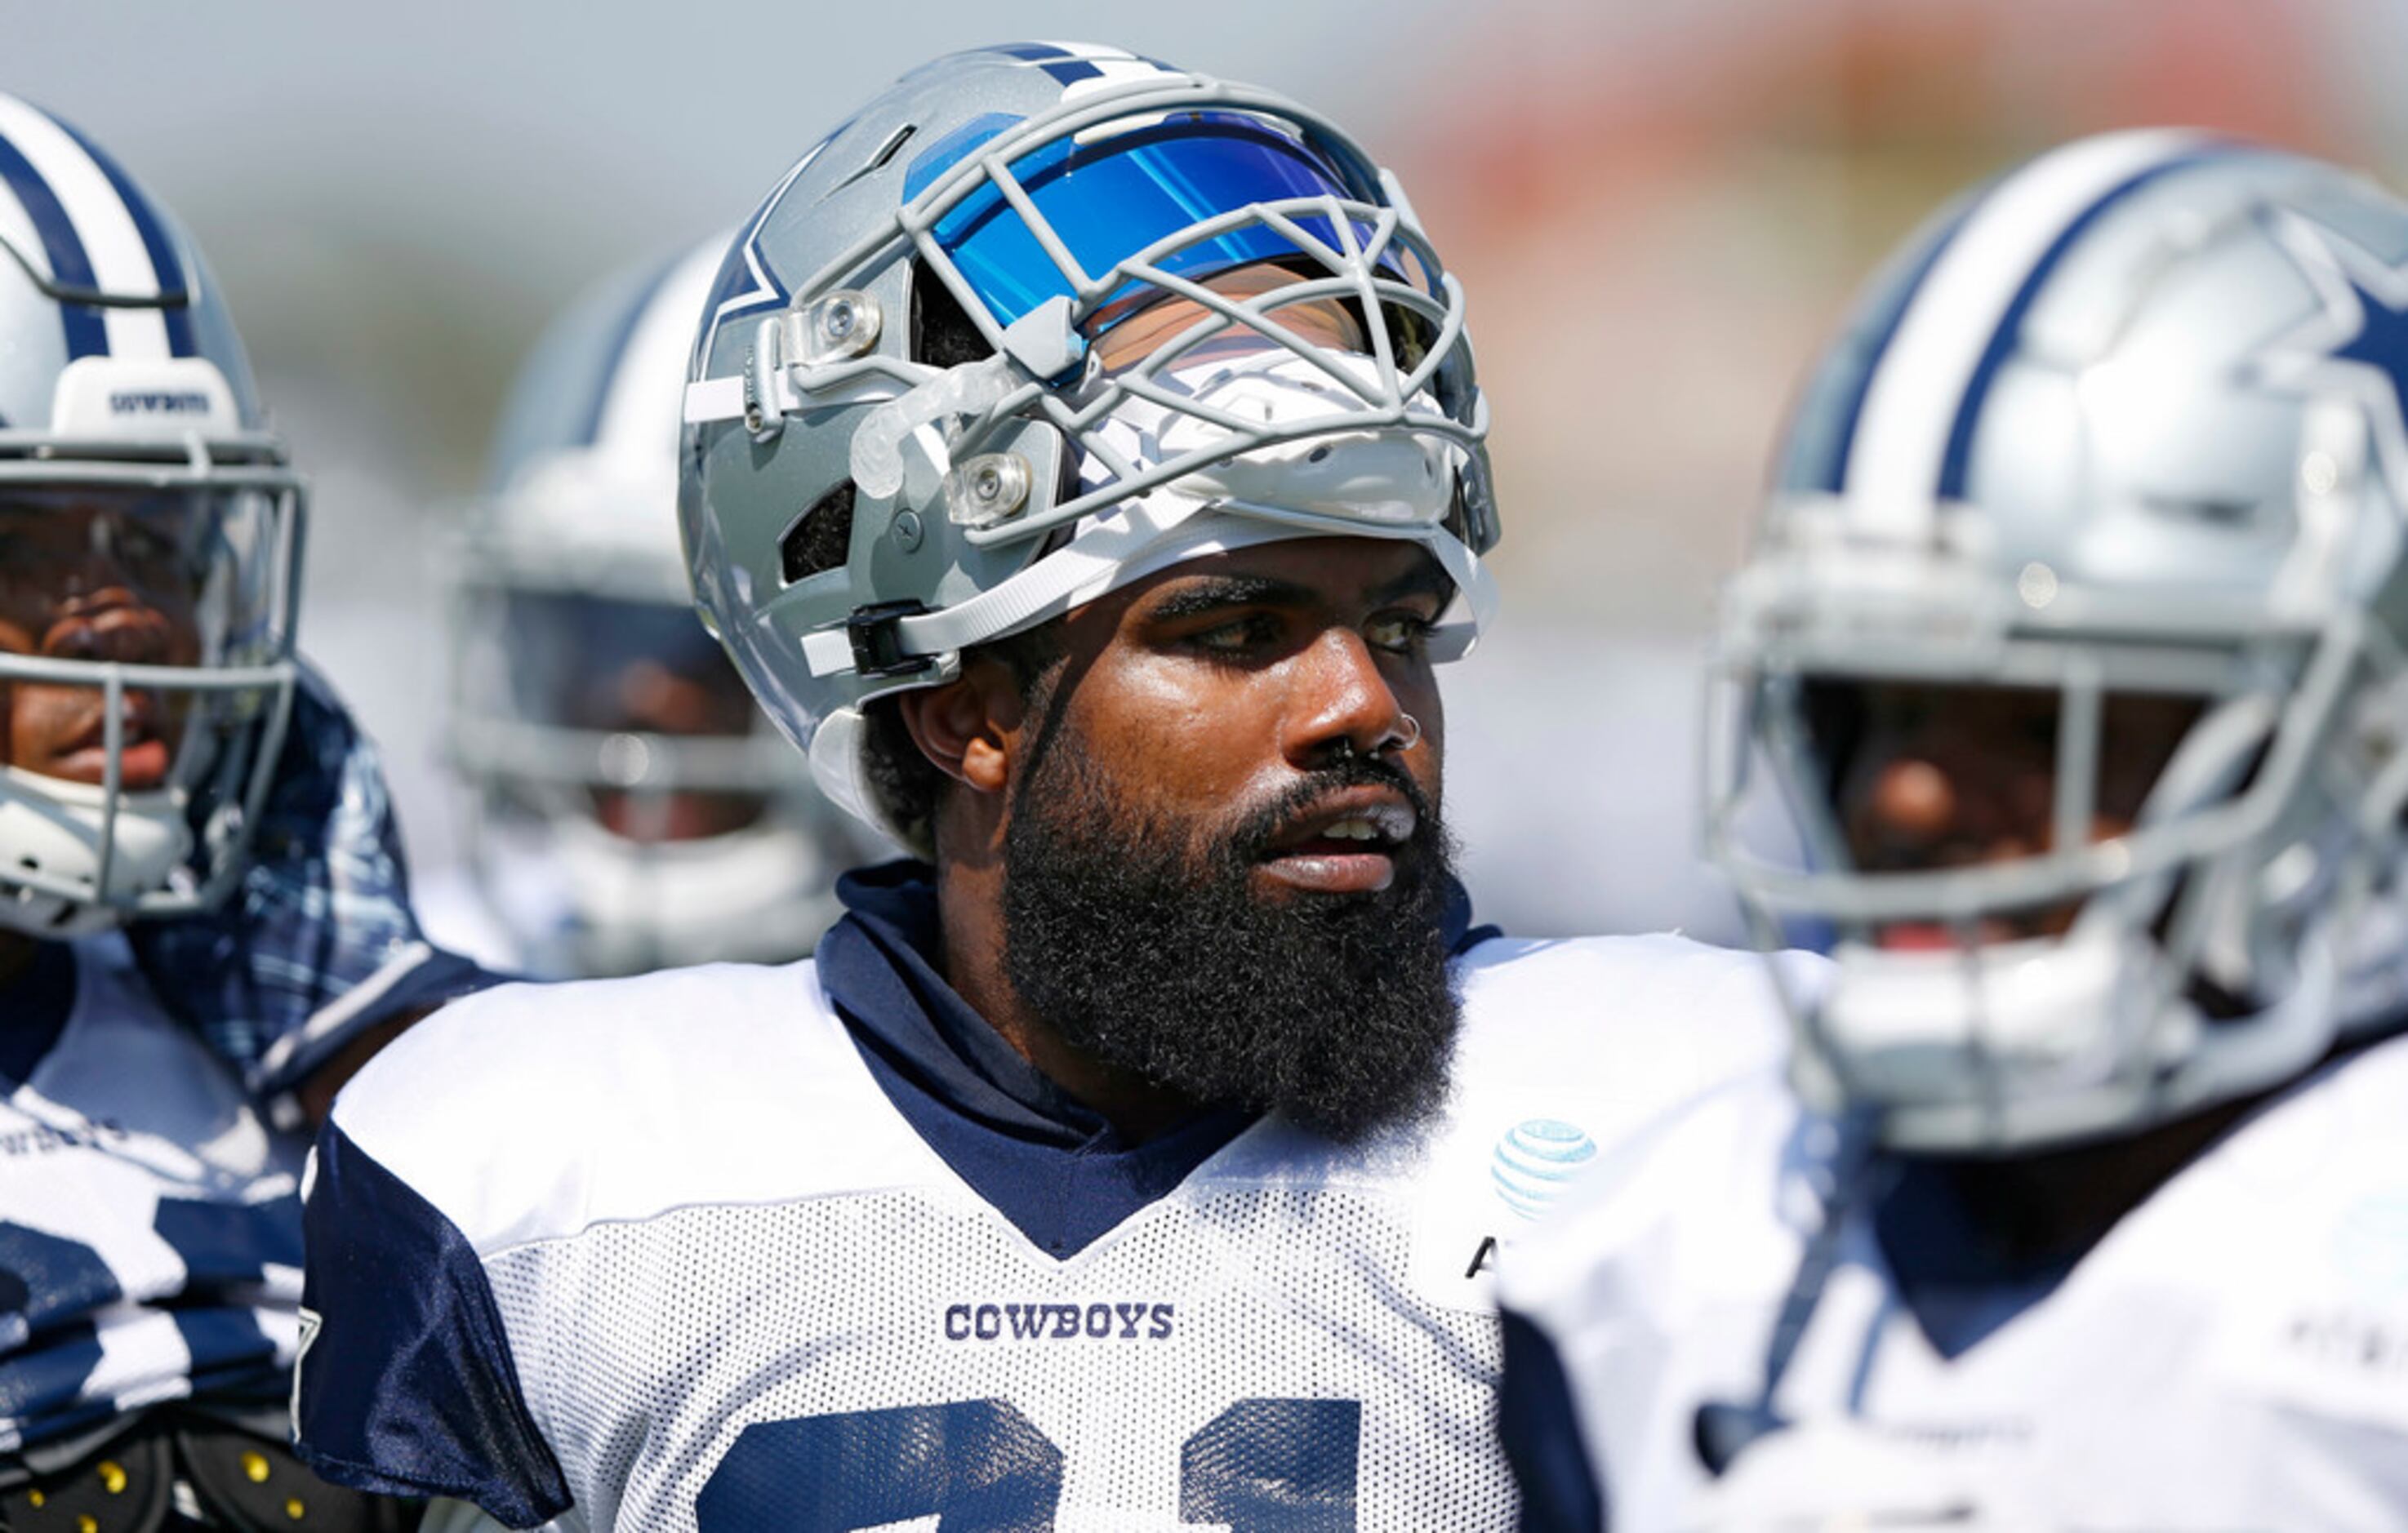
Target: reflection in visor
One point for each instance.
(1110, 198)
(193, 556)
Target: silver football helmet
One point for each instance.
(1196, 316)
(2113, 452)
(150, 553)
(628, 807)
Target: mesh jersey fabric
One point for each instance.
(729, 1286)
(149, 1227)
(2233, 1353)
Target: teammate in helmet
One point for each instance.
(1084, 468)
(203, 909)
(2074, 638)
(630, 807)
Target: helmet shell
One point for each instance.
(115, 326)
(2104, 365)
(2127, 421)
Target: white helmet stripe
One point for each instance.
(102, 223)
(1912, 402)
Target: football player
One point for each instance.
(2074, 636)
(1083, 466)
(201, 903)
(629, 806)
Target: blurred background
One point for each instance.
(1659, 211)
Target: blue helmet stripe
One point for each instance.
(86, 335)
(166, 264)
(615, 352)
(1066, 67)
(1851, 415)
(1957, 462)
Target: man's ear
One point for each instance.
(969, 726)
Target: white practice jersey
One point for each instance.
(2232, 1356)
(149, 1227)
(664, 1254)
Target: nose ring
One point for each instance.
(1403, 737)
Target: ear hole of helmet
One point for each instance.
(821, 538)
(942, 334)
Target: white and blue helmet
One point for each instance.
(569, 586)
(1197, 316)
(127, 413)
(2126, 424)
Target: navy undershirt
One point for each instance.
(1949, 1276)
(33, 1010)
(1053, 1166)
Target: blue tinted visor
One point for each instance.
(1110, 198)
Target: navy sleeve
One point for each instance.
(1559, 1491)
(406, 1384)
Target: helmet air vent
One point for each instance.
(887, 148)
(895, 142)
(820, 538)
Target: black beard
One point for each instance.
(1335, 1010)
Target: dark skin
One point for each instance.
(1955, 776)
(1196, 693)
(1958, 777)
(78, 582)
(650, 697)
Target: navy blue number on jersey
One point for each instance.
(982, 1466)
(48, 1288)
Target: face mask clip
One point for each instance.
(1045, 342)
(877, 648)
